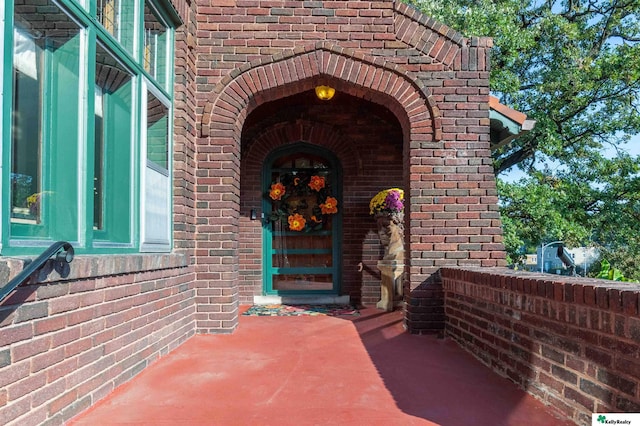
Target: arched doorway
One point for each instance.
(302, 222)
(242, 123)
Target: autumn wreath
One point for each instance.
(302, 201)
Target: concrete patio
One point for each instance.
(319, 370)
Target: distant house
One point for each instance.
(583, 257)
(531, 261)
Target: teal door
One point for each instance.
(302, 221)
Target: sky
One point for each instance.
(632, 147)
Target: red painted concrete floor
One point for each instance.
(318, 370)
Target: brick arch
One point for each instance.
(218, 246)
(315, 133)
(354, 73)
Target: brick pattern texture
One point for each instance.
(411, 111)
(573, 343)
(432, 85)
(66, 344)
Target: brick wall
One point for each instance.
(184, 131)
(435, 84)
(424, 307)
(65, 344)
(573, 343)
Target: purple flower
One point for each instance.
(393, 202)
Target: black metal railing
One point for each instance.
(57, 257)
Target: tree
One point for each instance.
(574, 67)
(595, 205)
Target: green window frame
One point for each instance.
(113, 151)
(156, 179)
(118, 18)
(74, 148)
(154, 52)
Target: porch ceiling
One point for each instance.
(338, 112)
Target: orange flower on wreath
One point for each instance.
(316, 183)
(277, 191)
(297, 222)
(330, 206)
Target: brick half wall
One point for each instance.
(571, 342)
(424, 307)
(67, 343)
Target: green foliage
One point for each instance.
(609, 273)
(574, 67)
(539, 209)
(597, 205)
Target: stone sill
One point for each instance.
(95, 266)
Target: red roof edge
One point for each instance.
(510, 113)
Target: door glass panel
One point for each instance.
(280, 260)
(303, 206)
(293, 243)
(302, 282)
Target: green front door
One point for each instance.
(302, 222)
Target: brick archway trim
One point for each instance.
(350, 71)
(311, 132)
(445, 46)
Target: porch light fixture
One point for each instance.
(325, 93)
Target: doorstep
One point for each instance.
(302, 300)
